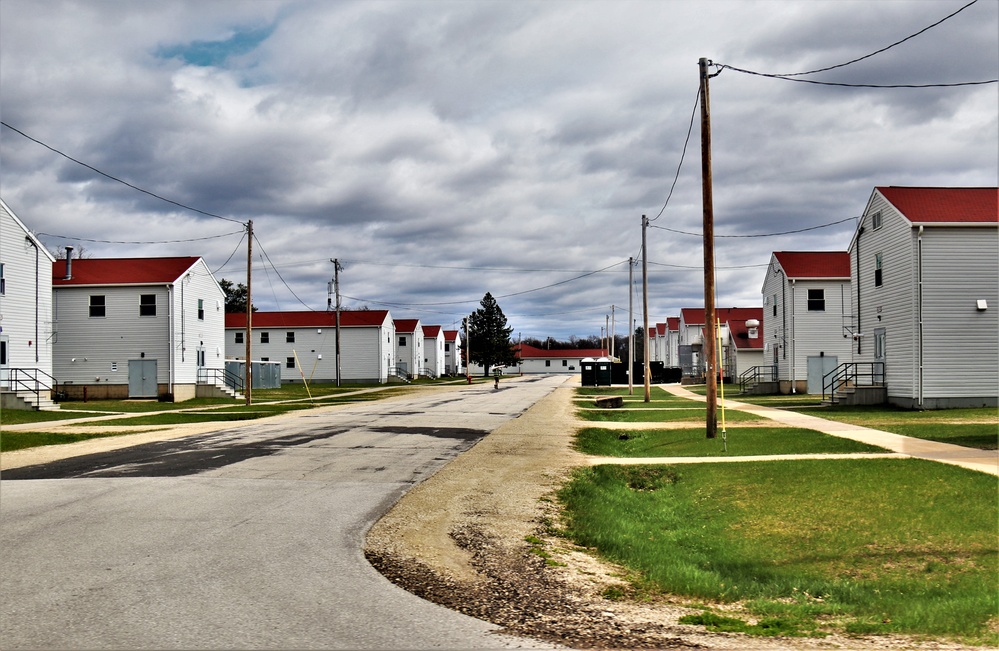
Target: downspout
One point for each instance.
(858, 330)
(919, 311)
(170, 327)
(32, 243)
(793, 361)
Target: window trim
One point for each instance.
(201, 309)
(238, 337)
(879, 264)
(289, 337)
(265, 337)
(102, 307)
(147, 308)
(818, 303)
(289, 362)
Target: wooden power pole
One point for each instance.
(645, 312)
(709, 346)
(248, 382)
(631, 331)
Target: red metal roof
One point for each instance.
(945, 205)
(695, 315)
(814, 264)
(673, 323)
(121, 271)
(450, 335)
(431, 331)
(530, 352)
(740, 333)
(661, 329)
(348, 319)
(406, 325)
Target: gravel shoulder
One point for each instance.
(458, 539)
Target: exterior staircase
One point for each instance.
(27, 389)
(855, 383)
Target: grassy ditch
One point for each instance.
(803, 547)
(10, 441)
(692, 442)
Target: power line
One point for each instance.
(193, 239)
(791, 75)
(238, 246)
(800, 230)
(683, 154)
(268, 258)
(116, 179)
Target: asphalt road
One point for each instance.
(246, 538)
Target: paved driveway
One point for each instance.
(248, 537)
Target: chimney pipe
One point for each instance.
(69, 263)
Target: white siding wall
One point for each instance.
(97, 343)
(362, 357)
(774, 320)
(812, 333)
(191, 333)
(433, 353)
(960, 343)
(454, 358)
(412, 353)
(27, 323)
(891, 305)
(555, 365)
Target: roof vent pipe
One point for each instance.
(69, 263)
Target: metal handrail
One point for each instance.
(395, 371)
(31, 380)
(753, 376)
(427, 373)
(855, 374)
(221, 376)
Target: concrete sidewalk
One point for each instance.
(986, 461)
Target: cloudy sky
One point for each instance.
(441, 150)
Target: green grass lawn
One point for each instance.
(856, 546)
(696, 414)
(977, 428)
(692, 442)
(10, 441)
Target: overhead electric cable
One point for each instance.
(238, 246)
(800, 230)
(268, 258)
(116, 179)
(791, 76)
(526, 291)
(683, 154)
(192, 239)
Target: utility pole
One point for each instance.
(613, 344)
(710, 334)
(645, 311)
(336, 290)
(468, 349)
(631, 329)
(248, 382)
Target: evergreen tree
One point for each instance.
(490, 337)
(235, 297)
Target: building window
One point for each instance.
(265, 337)
(239, 337)
(147, 304)
(878, 265)
(775, 304)
(816, 300)
(289, 362)
(548, 362)
(3, 281)
(565, 362)
(201, 309)
(402, 341)
(289, 337)
(447, 348)
(876, 220)
(98, 307)
(265, 359)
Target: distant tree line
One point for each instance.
(620, 347)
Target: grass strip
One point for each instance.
(857, 546)
(693, 442)
(10, 441)
(693, 414)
